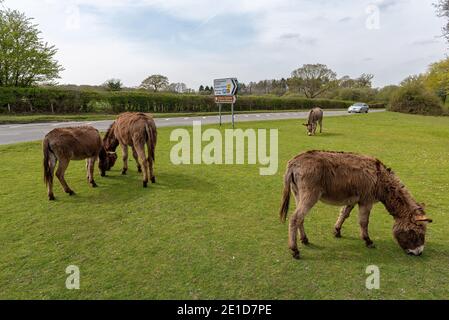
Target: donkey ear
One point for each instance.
(422, 218)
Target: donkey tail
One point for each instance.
(48, 176)
(288, 180)
(151, 132)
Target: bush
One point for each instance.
(415, 99)
(353, 94)
(57, 100)
(386, 93)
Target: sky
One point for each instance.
(196, 41)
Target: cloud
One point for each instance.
(193, 41)
(425, 42)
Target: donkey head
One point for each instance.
(410, 232)
(108, 156)
(310, 128)
(106, 161)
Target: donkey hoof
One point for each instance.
(370, 245)
(71, 192)
(139, 169)
(305, 241)
(337, 233)
(124, 171)
(295, 254)
(153, 180)
(145, 184)
(94, 185)
(51, 197)
(103, 174)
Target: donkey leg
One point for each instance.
(321, 126)
(140, 149)
(90, 171)
(124, 157)
(150, 164)
(364, 212)
(297, 223)
(62, 167)
(52, 165)
(344, 214)
(87, 169)
(136, 158)
(292, 234)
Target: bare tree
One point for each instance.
(113, 85)
(178, 87)
(313, 79)
(443, 12)
(154, 82)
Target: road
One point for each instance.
(13, 133)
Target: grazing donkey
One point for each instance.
(65, 144)
(315, 117)
(348, 179)
(135, 130)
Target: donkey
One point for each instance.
(315, 116)
(348, 179)
(65, 144)
(135, 130)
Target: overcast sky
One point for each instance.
(196, 41)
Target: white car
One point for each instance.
(359, 108)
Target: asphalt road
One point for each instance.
(13, 133)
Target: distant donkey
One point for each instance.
(65, 144)
(135, 130)
(315, 117)
(348, 179)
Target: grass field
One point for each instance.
(212, 232)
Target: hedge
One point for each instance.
(54, 100)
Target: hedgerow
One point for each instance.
(55, 100)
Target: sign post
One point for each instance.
(225, 91)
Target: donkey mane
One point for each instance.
(110, 141)
(395, 196)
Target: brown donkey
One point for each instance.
(348, 179)
(315, 118)
(135, 130)
(65, 144)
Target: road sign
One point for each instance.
(225, 91)
(225, 87)
(225, 99)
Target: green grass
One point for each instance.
(34, 118)
(212, 232)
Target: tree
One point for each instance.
(25, 59)
(437, 78)
(346, 82)
(154, 82)
(313, 79)
(178, 87)
(443, 12)
(417, 79)
(386, 93)
(113, 85)
(364, 81)
(201, 89)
